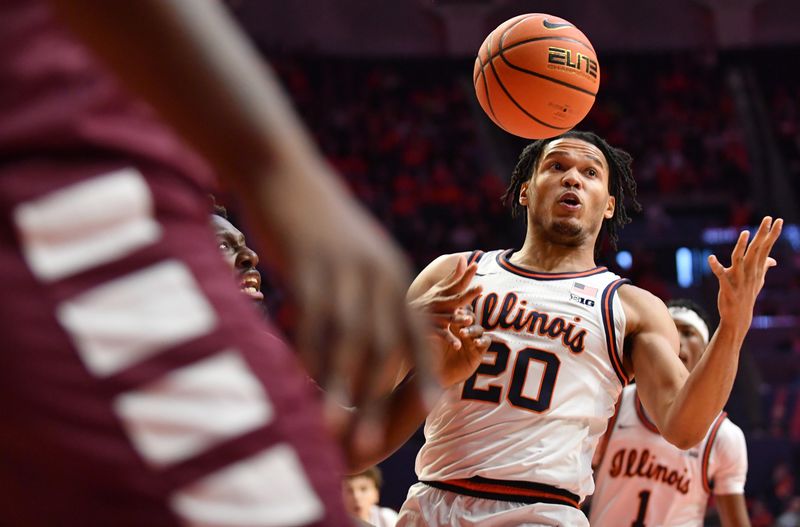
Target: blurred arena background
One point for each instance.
(704, 93)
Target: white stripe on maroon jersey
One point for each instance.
(87, 224)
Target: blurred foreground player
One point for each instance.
(513, 444)
(135, 385)
(643, 480)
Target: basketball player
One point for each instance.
(135, 385)
(513, 444)
(239, 257)
(644, 480)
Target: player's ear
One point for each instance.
(523, 194)
(610, 207)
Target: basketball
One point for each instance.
(536, 76)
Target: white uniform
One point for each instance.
(517, 438)
(645, 481)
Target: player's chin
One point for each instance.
(567, 227)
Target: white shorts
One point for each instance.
(426, 506)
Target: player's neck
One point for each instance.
(544, 256)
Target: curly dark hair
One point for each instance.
(216, 208)
(620, 181)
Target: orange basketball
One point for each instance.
(536, 76)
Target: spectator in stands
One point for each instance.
(361, 497)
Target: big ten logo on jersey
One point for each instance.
(514, 315)
(583, 294)
(569, 60)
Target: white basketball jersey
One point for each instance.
(644, 481)
(537, 405)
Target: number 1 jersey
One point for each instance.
(536, 407)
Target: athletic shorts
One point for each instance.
(138, 386)
(426, 506)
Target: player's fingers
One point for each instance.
(756, 244)
(450, 302)
(450, 338)
(367, 434)
(466, 296)
(482, 343)
(347, 334)
(461, 318)
(771, 262)
(739, 249)
(717, 268)
(455, 275)
(418, 351)
(460, 282)
(771, 237)
(377, 369)
(312, 308)
(473, 331)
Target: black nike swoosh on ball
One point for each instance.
(554, 25)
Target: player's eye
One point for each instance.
(556, 166)
(224, 246)
(591, 172)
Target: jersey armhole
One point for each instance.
(607, 308)
(707, 483)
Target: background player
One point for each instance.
(643, 480)
(236, 253)
(513, 444)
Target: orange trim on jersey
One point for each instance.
(520, 491)
(602, 445)
(475, 257)
(707, 450)
(643, 416)
(607, 306)
(503, 261)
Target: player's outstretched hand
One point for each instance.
(740, 283)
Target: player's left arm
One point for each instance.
(728, 467)
(683, 406)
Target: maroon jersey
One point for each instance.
(138, 386)
(56, 99)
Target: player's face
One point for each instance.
(360, 494)
(567, 196)
(239, 256)
(692, 345)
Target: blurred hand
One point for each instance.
(349, 283)
(740, 283)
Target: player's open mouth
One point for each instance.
(251, 284)
(570, 200)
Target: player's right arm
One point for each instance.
(188, 59)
